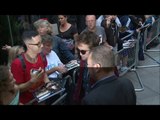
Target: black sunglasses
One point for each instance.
(83, 52)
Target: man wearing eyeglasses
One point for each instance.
(107, 89)
(27, 81)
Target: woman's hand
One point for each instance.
(6, 47)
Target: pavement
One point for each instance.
(149, 73)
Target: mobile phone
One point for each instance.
(35, 71)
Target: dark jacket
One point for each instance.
(111, 32)
(61, 50)
(111, 91)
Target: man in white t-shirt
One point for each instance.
(54, 65)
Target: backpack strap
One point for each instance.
(22, 62)
(43, 56)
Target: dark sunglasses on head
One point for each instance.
(83, 52)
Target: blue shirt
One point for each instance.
(61, 50)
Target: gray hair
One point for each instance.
(43, 23)
(104, 56)
(46, 38)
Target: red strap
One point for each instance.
(76, 95)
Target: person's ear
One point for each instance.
(97, 65)
(26, 43)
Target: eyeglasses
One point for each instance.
(83, 52)
(38, 44)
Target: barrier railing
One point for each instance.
(131, 51)
(151, 34)
(67, 80)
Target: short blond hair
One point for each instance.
(44, 23)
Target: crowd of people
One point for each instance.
(97, 81)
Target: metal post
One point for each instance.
(10, 30)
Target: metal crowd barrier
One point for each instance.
(61, 99)
(150, 36)
(132, 53)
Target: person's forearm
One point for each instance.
(25, 86)
(46, 80)
(51, 71)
